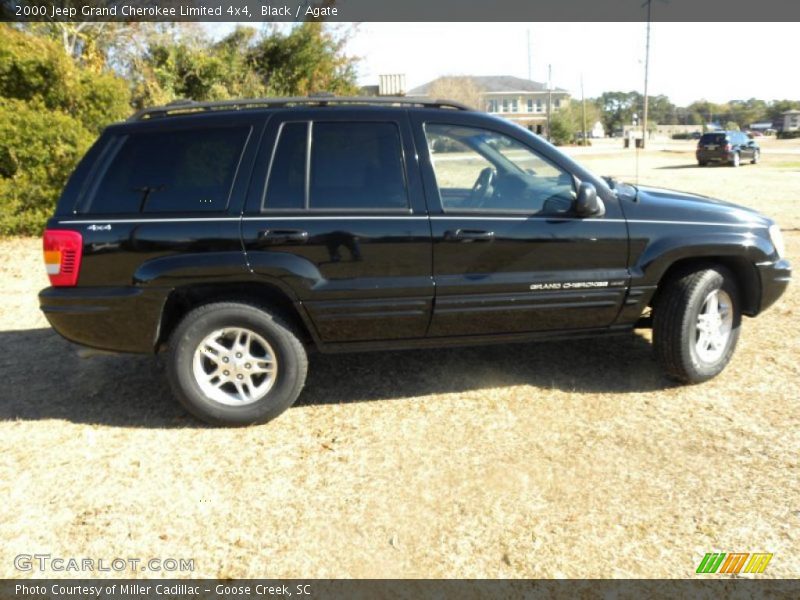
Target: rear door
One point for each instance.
(509, 256)
(747, 146)
(336, 212)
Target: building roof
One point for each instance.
(792, 112)
(492, 84)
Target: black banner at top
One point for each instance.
(401, 10)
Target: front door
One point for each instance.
(336, 212)
(509, 254)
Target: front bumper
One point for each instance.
(775, 277)
(120, 319)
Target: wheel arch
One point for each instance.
(184, 299)
(741, 269)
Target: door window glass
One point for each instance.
(482, 170)
(286, 186)
(357, 166)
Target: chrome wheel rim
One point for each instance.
(714, 325)
(736, 160)
(234, 366)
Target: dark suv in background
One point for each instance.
(730, 147)
(238, 235)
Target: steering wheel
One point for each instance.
(483, 189)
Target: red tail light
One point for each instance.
(63, 250)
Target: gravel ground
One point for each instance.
(570, 459)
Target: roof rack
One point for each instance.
(190, 106)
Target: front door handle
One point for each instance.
(469, 235)
(283, 236)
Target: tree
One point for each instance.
(309, 59)
(618, 108)
(179, 63)
(459, 88)
(51, 110)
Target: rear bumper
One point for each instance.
(120, 319)
(775, 277)
(713, 156)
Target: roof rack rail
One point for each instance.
(190, 106)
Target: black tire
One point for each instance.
(701, 163)
(756, 157)
(675, 319)
(284, 341)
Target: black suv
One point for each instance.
(237, 235)
(729, 147)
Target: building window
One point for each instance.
(558, 103)
(539, 105)
(514, 105)
(492, 106)
(505, 105)
(530, 104)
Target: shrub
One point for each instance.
(38, 150)
(51, 110)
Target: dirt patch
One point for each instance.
(573, 459)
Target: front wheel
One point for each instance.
(696, 325)
(756, 157)
(231, 363)
(735, 161)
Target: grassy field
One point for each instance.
(571, 459)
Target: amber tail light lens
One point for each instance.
(63, 250)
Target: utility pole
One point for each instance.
(549, 98)
(583, 111)
(649, 4)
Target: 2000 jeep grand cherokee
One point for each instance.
(238, 234)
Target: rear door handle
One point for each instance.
(283, 236)
(469, 235)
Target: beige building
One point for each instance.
(520, 100)
(791, 120)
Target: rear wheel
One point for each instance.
(756, 157)
(235, 364)
(735, 161)
(696, 325)
(702, 163)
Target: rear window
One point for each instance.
(175, 171)
(713, 138)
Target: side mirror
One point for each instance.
(587, 204)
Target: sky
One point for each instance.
(688, 61)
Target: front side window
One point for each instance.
(171, 171)
(482, 170)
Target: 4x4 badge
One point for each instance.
(106, 227)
